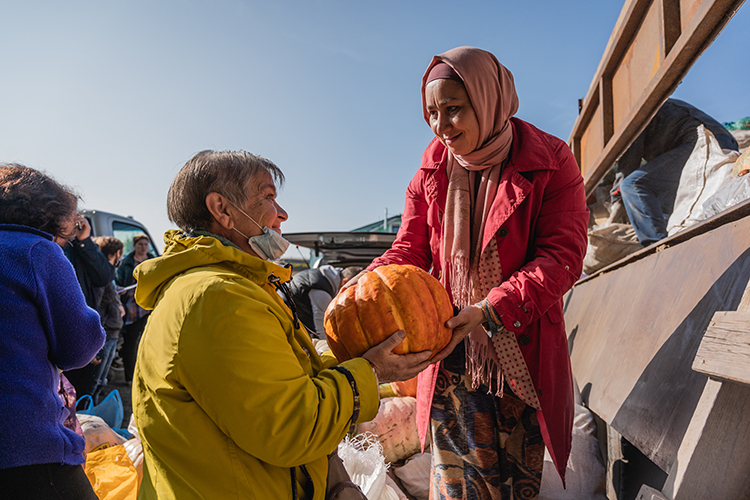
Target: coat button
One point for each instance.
(502, 232)
(517, 324)
(524, 340)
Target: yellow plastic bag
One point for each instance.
(112, 474)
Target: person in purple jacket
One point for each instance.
(46, 327)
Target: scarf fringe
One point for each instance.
(459, 280)
(482, 368)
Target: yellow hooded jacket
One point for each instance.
(230, 399)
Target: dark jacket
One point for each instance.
(124, 275)
(675, 123)
(91, 266)
(45, 325)
(300, 286)
(108, 304)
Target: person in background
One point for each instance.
(93, 271)
(497, 212)
(111, 312)
(648, 173)
(313, 289)
(135, 315)
(229, 396)
(46, 326)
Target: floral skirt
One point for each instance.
(483, 446)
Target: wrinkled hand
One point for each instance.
(391, 367)
(462, 324)
(353, 281)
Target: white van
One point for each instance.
(124, 228)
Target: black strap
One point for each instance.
(284, 288)
(355, 391)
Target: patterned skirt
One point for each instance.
(483, 446)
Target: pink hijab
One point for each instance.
(472, 186)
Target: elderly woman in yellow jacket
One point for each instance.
(229, 395)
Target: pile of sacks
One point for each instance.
(403, 472)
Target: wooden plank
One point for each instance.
(724, 352)
(714, 458)
(645, 69)
(634, 332)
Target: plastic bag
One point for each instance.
(97, 433)
(134, 448)
(363, 460)
(112, 474)
(736, 191)
(110, 409)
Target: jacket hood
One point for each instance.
(183, 252)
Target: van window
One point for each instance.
(126, 232)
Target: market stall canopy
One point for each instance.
(343, 248)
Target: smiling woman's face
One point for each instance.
(451, 116)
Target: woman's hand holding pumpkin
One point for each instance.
(462, 324)
(390, 367)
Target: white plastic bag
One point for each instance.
(97, 433)
(707, 170)
(363, 460)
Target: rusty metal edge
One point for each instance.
(703, 28)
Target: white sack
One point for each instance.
(707, 170)
(363, 460)
(608, 244)
(584, 476)
(415, 475)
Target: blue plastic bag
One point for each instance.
(110, 409)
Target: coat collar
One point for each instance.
(25, 229)
(532, 151)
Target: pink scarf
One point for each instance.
(493, 96)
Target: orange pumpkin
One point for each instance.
(405, 388)
(390, 298)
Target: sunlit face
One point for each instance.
(451, 116)
(261, 206)
(141, 247)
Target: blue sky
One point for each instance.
(112, 98)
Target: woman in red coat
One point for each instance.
(497, 212)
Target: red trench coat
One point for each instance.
(539, 219)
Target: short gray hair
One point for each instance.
(223, 172)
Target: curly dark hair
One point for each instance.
(225, 172)
(30, 198)
(109, 245)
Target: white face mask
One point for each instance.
(270, 245)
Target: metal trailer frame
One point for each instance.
(652, 47)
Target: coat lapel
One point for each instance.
(512, 190)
